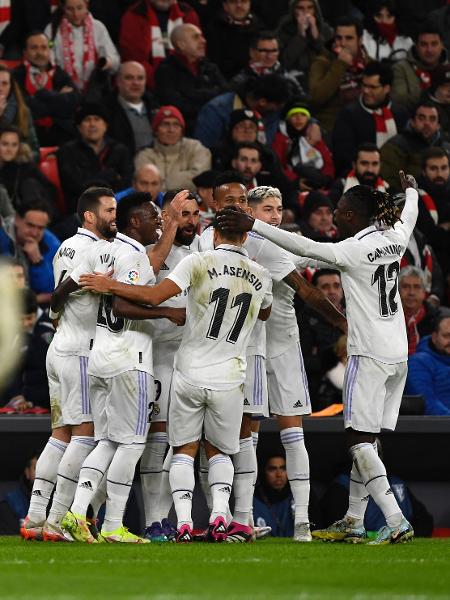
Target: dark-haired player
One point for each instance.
(72, 429)
(369, 259)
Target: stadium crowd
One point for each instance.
(156, 96)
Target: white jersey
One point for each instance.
(226, 292)
(76, 328)
(269, 256)
(120, 344)
(370, 264)
(164, 329)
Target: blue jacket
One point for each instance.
(214, 117)
(279, 516)
(429, 376)
(41, 276)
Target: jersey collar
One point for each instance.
(87, 233)
(366, 231)
(132, 242)
(231, 248)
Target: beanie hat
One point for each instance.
(89, 109)
(243, 114)
(168, 112)
(314, 201)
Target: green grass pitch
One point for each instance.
(272, 568)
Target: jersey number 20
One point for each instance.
(381, 277)
(106, 318)
(220, 298)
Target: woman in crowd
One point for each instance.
(381, 37)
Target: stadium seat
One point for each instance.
(48, 165)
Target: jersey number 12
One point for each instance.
(381, 277)
(220, 298)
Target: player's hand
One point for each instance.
(96, 282)
(407, 181)
(176, 315)
(234, 219)
(175, 208)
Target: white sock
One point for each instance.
(91, 474)
(255, 438)
(182, 482)
(99, 498)
(77, 451)
(373, 473)
(358, 497)
(46, 474)
(297, 467)
(165, 494)
(151, 469)
(203, 477)
(244, 472)
(119, 482)
(220, 478)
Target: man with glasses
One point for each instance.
(371, 118)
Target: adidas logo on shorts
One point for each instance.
(246, 402)
(187, 496)
(226, 489)
(298, 404)
(87, 485)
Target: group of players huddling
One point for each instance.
(186, 341)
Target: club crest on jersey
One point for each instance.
(133, 276)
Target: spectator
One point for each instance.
(130, 108)
(381, 36)
(273, 501)
(371, 118)
(439, 95)
(186, 78)
(204, 183)
(14, 506)
(14, 111)
(440, 19)
(178, 158)
(405, 150)
(19, 175)
(48, 91)
(429, 369)
(419, 315)
(413, 74)
(318, 338)
(146, 28)
(317, 222)
(264, 53)
(298, 143)
(233, 28)
(18, 274)
(264, 95)
(335, 76)
(93, 157)
(34, 245)
(81, 44)
(145, 179)
(302, 34)
(434, 204)
(365, 171)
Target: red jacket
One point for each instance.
(281, 146)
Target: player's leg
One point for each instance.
(289, 401)
(220, 477)
(165, 499)
(129, 408)
(76, 411)
(186, 416)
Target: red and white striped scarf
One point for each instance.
(36, 80)
(411, 329)
(429, 205)
(53, 4)
(89, 51)
(424, 77)
(352, 180)
(161, 44)
(385, 125)
(5, 14)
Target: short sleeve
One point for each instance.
(268, 296)
(182, 274)
(87, 265)
(276, 260)
(133, 268)
(347, 254)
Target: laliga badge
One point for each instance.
(133, 277)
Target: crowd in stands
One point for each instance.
(155, 95)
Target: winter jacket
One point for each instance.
(429, 376)
(406, 86)
(178, 164)
(379, 49)
(355, 126)
(404, 151)
(176, 84)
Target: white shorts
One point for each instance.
(122, 406)
(193, 410)
(288, 384)
(68, 385)
(372, 393)
(163, 357)
(256, 400)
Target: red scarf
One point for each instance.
(429, 205)
(388, 31)
(53, 4)
(158, 43)
(411, 329)
(5, 14)
(424, 77)
(351, 180)
(35, 81)
(385, 126)
(89, 51)
(351, 82)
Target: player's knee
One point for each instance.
(160, 427)
(353, 438)
(190, 449)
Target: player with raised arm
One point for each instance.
(369, 259)
(120, 372)
(72, 428)
(166, 341)
(227, 293)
